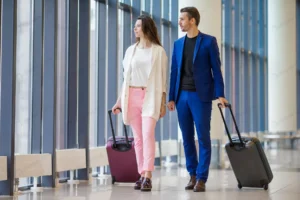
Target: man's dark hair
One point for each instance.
(192, 12)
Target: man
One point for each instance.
(195, 80)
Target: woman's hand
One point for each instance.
(115, 109)
(163, 110)
(163, 105)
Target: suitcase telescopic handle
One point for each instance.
(113, 130)
(228, 105)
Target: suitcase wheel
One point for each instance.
(266, 187)
(113, 180)
(240, 186)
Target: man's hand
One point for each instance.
(223, 101)
(171, 106)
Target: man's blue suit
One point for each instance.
(194, 108)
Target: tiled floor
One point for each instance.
(169, 184)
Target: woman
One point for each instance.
(143, 95)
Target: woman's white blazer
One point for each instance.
(156, 83)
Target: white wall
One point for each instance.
(282, 65)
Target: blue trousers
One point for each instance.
(192, 111)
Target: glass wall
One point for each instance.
(23, 76)
(23, 100)
(245, 57)
(67, 79)
(127, 13)
(61, 63)
(93, 114)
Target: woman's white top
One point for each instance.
(140, 67)
(156, 82)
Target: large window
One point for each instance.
(244, 54)
(106, 70)
(93, 73)
(54, 62)
(61, 63)
(23, 79)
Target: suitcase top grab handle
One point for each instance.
(113, 130)
(228, 105)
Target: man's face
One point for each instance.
(185, 23)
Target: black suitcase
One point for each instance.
(247, 158)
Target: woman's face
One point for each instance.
(138, 29)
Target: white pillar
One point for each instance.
(282, 107)
(210, 23)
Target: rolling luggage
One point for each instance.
(121, 156)
(247, 158)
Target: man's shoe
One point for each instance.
(138, 184)
(191, 183)
(146, 185)
(200, 186)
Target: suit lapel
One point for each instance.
(198, 41)
(180, 53)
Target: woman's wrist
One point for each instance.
(119, 102)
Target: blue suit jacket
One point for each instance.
(206, 68)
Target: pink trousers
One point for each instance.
(143, 131)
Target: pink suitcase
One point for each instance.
(121, 156)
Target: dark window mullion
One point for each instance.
(101, 1)
(165, 22)
(49, 84)
(8, 91)
(157, 19)
(83, 84)
(227, 55)
(146, 13)
(37, 76)
(102, 113)
(237, 59)
(112, 50)
(173, 35)
(72, 74)
(36, 98)
(166, 45)
(125, 7)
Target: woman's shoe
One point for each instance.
(146, 185)
(138, 184)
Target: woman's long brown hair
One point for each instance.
(149, 29)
